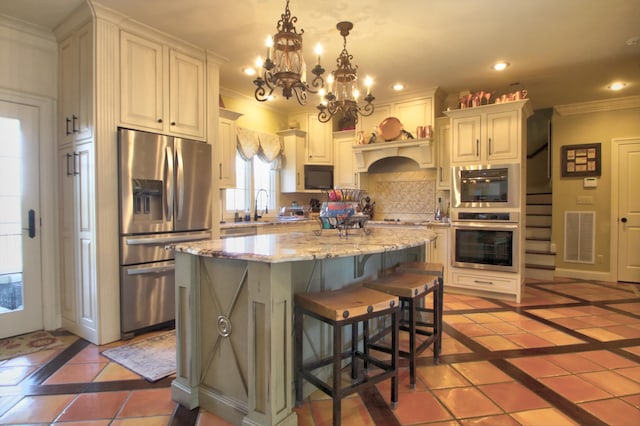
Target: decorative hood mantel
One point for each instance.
(418, 150)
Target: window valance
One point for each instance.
(266, 146)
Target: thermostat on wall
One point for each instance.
(590, 182)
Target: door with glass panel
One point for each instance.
(20, 257)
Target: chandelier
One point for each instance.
(342, 92)
(285, 66)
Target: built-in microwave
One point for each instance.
(318, 177)
(489, 185)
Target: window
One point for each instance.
(252, 176)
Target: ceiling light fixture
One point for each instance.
(618, 85)
(398, 87)
(342, 95)
(285, 66)
(500, 66)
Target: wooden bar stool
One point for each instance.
(412, 290)
(339, 308)
(436, 269)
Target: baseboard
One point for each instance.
(585, 275)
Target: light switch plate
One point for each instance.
(590, 182)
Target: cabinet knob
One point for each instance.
(159, 120)
(623, 220)
(173, 123)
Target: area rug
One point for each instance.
(24, 344)
(153, 358)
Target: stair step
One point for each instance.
(546, 259)
(537, 233)
(535, 209)
(537, 246)
(545, 267)
(539, 198)
(539, 274)
(538, 221)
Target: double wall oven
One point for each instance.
(485, 217)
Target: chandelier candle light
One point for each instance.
(342, 92)
(285, 66)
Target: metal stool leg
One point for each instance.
(337, 393)
(298, 325)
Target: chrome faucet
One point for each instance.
(266, 204)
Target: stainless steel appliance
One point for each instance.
(493, 186)
(164, 197)
(483, 240)
(318, 177)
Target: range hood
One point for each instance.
(418, 150)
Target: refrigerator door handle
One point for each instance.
(179, 182)
(168, 183)
(151, 270)
(166, 240)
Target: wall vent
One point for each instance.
(579, 236)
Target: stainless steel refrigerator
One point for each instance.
(165, 197)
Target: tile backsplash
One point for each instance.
(405, 195)
(399, 193)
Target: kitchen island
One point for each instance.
(234, 312)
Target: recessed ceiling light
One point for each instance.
(398, 87)
(249, 71)
(633, 41)
(618, 85)
(499, 66)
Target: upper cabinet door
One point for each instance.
(418, 112)
(186, 94)
(319, 141)
(466, 139)
(141, 82)
(76, 86)
(503, 131)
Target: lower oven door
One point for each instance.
(485, 245)
(147, 295)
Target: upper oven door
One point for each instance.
(485, 245)
(486, 186)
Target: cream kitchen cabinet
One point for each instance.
(318, 145)
(439, 252)
(485, 282)
(77, 241)
(227, 148)
(443, 147)
(319, 148)
(344, 171)
(489, 134)
(414, 113)
(292, 173)
(76, 85)
(162, 89)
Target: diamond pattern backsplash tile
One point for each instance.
(407, 195)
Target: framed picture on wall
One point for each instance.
(581, 160)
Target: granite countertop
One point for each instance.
(266, 222)
(406, 223)
(296, 246)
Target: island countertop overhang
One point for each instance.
(300, 246)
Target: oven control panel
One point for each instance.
(485, 216)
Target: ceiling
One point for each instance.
(560, 51)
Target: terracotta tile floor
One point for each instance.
(569, 354)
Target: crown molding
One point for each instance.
(598, 106)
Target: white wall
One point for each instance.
(28, 59)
